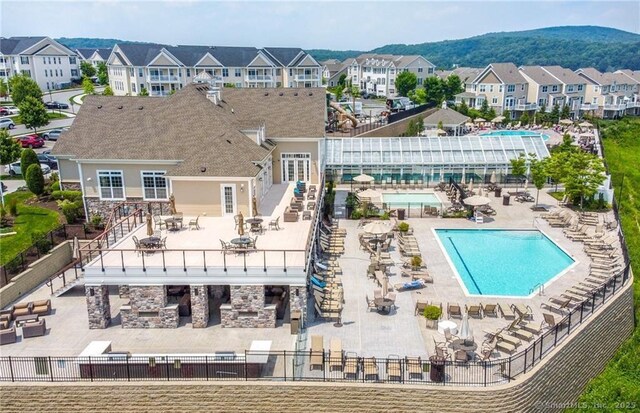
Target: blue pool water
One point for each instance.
(400, 200)
(515, 133)
(503, 262)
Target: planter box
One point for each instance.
(432, 324)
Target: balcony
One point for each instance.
(635, 104)
(258, 78)
(159, 93)
(307, 78)
(526, 106)
(162, 78)
(615, 106)
(196, 257)
(589, 106)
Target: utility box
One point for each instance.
(295, 321)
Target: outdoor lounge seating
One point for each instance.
(8, 336)
(290, 215)
(316, 354)
(34, 328)
(351, 365)
(371, 369)
(523, 310)
(394, 367)
(42, 307)
(335, 354)
(414, 367)
(453, 310)
(506, 311)
(193, 223)
(474, 310)
(490, 309)
(22, 309)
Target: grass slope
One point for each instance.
(30, 219)
(620, 382)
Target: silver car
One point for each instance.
(6, 123)
(15, 169)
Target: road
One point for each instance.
(56, 123)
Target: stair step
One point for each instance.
(68, 286)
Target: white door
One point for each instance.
(296, 167)
(228, 199)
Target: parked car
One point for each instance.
(56, 105)
(31, 141)
(12, 110)
(14, 169)
(47, 159)
(52, 134)
(6, 123)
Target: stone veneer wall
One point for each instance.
(98, 306)
(248, 299)
(557, 381)
(298, 302)
(199, 306)
(95, 206)
(149, 299)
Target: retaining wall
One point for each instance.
(550, 386)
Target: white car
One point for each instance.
(15, 169)
(6, 123)
(12, 110)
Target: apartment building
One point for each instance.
(573, 88)
(633, 104)
(608, 94)
(544, 89)
(93, 56)
(502, 86)
(466, 74)
(51, 64)
(162, 69)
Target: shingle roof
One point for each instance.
(448, 117)
(18, 44)
(635, 75)
(86, 53)
(508, 73)
(566, 76)
(284, 55)
(539, 75)
(185, 127)
(140, 54)
(594, 75)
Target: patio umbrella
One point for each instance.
(149, 225)
(240, 224)
(526, 185)
(385, 287)
(76, 248)
(440, 132)
(363, 178)
(480, 192)
(377, 228)
(478, 120)
(462, 182)
(497, 119)
(369, 193)
(468, 124)
(493, 177)
(254, 203)
(465, 332)
(566, 122)
(585, 125)
(471, 185)
(172, 205)
(476, 200)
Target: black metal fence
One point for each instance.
(310, 366)
(398, 116)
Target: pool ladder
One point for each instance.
(539, 287)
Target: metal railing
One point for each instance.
(307, 366)
(163, 78)
(259, 78)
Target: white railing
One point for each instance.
(588, 106)
(258, 78)
(526, 106)
(620, 106)
(159, 93)
(307, 77)
(163, 78)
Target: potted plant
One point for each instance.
(432, 314)
(403, 227)
(96, 220)
(416, 262)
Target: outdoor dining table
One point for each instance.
(172, 223)
(468, 346)
(256, 224)
(151, 242)
(242, 243)
(21, 319)
(383, 305)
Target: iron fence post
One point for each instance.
(11, 369)
(90, 369)
(285, 365)
(128, 371)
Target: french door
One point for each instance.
(228, 199)
(296, 167)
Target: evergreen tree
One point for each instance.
(554, 116)
(107, 91)
(87, 86)
(406, 82)
(524, 119)
(143, 92)
(35, 179)
(484, 109)
(566, 112)
(27, 159)
(435, 92)
(103, 74)
(10, 149)
(87, 69)
(463, 108)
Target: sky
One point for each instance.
(341, 25)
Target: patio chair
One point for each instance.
(420, 306)
(474, 310)
(394, 367)
(254, 242)
(551, 320)
(370, 303)
(316, 354)
(533, 327)
(158, 222)
(371, 369)
(450, 337)
(506, 311)
(136, 242)
(414, 367)
(351, 365)
(523, 310)
(490, 309)
(460, 356)
(453, 310)
(437, 344)
(335, 354)
(485, 354)
(443, 353)
(194, 223)
(377, 293)
(163, 243)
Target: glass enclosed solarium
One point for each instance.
(429, 159)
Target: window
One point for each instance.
(569, 88)
(490, 88)
(225, 72)
(155, 185)
(238, 72)
(48, 85)
(133, 87)
(554, 88)
(483, 88)
(72, 60)
(511, 88)
(27, 73)
(188, 72)
(419, 80)
(74, 72)
(290, 72)
(24, 60)
(494, 101)
(45, 75)
(61, 74)
(44, 60)
(111, 184)
(238, 84)
(131, 72)
(545, 89)
(141, 86)
(579, 88)
(419, 70)
(56, 72)
(430, 71)
(50, 60)
(500, 89)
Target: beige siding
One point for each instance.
(490, 78)
(204, 197)
(296, 147)
(68, 170)
(131, 173)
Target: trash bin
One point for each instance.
(401, 214)
(295, 321)
(505, 199)
(437, 369)
(498, 192)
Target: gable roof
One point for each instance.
(86, 53)
(566, 76)
(539, 75)
(634, 75)
(18, 44)
(284, 55)
(448, 117)
(592, 75)
(508, 73)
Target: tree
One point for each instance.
(23, 86)
(9, 148)
(541, 116)
(33, 113)
(554, 116)
(491, 114)
(355, 93)
(103, 74)
(484, 109)
(143, 92)
(524, 119)
(406, 82)
(434, 88)
(463, 108)
(35, 179)
(27, 159)
(88, 87)
(418, 96)
(556, 167)
(453, 86)
(585, 173)
(4, 89)
(519, 166)
(412, 129)
(87, 69)
(538, 172)
(507, 117)
(342, 80)
(107, 91)
(566, 112)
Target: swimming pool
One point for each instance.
(400, 200)
(502, 262)
(515, 133)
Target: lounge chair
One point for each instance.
(351, 365)
(532, 326)
(515, 330)
(474, 310)
(551, 320)
(506, 346)
(316, 355)
(490, 309)
(420, 306)
(506, 311)
(523, 310)
(371, 369)
(394, 367)
(370, 303)
(453, 310)
(34, 328)
(335, 354)
(414, 367)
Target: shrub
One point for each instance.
(70, 210)
(41, 242)
(13, 207)
(35, 179)
(431, 312)
(96, 220)
(403, 227)
(54, 177)
(72, 196)
(27, 159)
(384, 216)
(416, 261)
(55, 186)
(3, 215)
(356, 214)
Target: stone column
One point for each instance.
(148, 308)
(123, 291)
(98, 306)
(199, 306)
(247, 308)
(298, 299)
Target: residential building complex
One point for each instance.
(611, 95)
(162, 69)
(93, 56)
(51, 64)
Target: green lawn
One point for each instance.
(52, 115)
(30, 219)
(620, 381)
